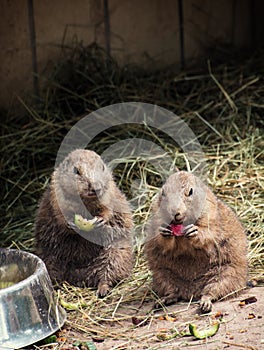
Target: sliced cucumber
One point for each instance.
(83, 224)
(205, 333)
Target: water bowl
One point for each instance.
(29, 310)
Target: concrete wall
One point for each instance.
(139, 30)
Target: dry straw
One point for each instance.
(222, 104)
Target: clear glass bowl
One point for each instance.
(29, 310)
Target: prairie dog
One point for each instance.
(196, 246)
(83, 184)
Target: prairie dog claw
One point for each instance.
(98, 221)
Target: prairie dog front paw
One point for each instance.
(190, 231)
(206, 304)
(165, 230)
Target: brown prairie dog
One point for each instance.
(82, 184)
(196, 246)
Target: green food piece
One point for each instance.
(49, 340)
(77, 343)
(82, 223)
(88, 344)
(6, 284)
(72, 306)
(205, 333)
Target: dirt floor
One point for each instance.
(241, 327)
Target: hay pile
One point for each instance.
(222, 103)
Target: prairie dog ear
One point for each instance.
(176, 169)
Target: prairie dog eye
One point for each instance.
(163, 194)
(190, 192)
(76, 171)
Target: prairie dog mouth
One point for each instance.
(91, 193)
(176, 222)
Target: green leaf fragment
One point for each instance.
(49, 340)
(88, 344)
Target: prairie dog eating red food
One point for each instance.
(196, 246)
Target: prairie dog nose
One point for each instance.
(178, 216)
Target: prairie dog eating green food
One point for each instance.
(101, 256)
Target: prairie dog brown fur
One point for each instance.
(83, 184)
(207, 260)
